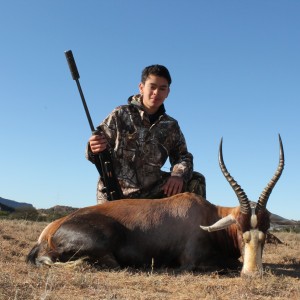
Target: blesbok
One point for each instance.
(163, 232)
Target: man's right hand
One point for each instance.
(98, 143)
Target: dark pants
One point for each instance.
(197, 185)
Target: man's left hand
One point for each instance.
(173, 186)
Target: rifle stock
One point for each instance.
(103, 161)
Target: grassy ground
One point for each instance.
(281, 279)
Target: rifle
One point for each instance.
(103, 161)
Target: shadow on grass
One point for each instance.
(290, 270)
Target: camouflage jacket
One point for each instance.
(140, 147)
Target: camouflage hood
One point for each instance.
(137, 100)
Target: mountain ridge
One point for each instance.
(14, 204)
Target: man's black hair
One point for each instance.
(157, 70)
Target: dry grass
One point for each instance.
(21, 281)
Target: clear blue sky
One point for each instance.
(236, 71)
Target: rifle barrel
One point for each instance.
(103, 160)
(76, 76)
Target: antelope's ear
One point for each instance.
(221, 224)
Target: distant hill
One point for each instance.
(17, 210)
(14, 204)
(58, 209)
(8, 209)
(55, 212)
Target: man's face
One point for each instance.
(155, 90)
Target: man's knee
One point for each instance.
(197, 184)
(101, 197)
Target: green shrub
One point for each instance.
(26, 213)
(3, 214)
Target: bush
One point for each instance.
(295, 229)
(3, 213)
(26, 213)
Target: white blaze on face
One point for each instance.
(253, 240)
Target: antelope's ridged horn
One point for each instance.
(263, 199)
(243, 199)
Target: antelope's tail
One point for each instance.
(32, 255)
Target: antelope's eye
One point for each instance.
(261, 236)
(246, 236)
